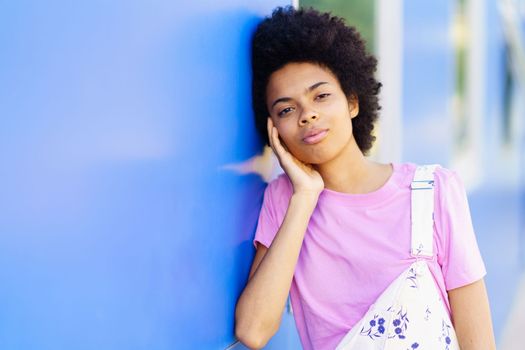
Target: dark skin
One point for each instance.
(302, 96)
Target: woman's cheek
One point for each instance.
(285, 136)
(289, 145)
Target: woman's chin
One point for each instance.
(315, 156)
(313, 160)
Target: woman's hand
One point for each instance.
(304, 177)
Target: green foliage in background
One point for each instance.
(357, 13)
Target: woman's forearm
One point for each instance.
(259, 308)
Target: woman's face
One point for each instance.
(303, 98)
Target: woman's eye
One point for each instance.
(284, 111)
(322, 96)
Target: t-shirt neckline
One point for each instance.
(362, 199)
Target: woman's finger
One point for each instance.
(269, 130)
(272, 133)
(277, 142)
(278, 147)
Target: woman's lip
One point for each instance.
(315, 138)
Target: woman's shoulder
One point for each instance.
(440, 172)
(447, 182)
(443, 177)
(280, 187)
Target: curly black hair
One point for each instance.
(307, 35)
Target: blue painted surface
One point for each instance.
(118, 228)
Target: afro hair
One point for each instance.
(306, 35)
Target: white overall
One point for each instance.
(410, 313)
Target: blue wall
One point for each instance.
(118, 228)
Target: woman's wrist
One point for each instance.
(307, 196)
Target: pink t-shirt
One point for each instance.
(357, 244)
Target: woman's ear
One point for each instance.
(353, 106)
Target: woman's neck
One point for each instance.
(351, 172)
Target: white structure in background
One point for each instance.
(468, 161)
(389, 48)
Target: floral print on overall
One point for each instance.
(377, 325)
(394, 322)
(445, 334)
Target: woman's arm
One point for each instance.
(260, 307)
(471, 316)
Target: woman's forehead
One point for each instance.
(298, 78)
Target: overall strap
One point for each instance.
(422, 212)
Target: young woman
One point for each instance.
(334, 230)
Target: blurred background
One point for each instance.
(131, 175)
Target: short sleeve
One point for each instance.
(458, 252)
(272, 211)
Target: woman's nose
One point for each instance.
(308, 115)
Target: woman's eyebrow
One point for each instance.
(286, 99)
